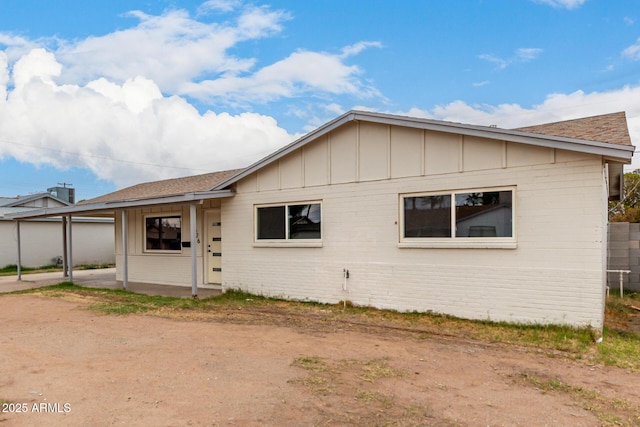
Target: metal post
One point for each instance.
(70, 248)
(19, 251)
(194, 246)
(125, 252)
(65, 265)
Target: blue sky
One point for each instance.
(107, 94)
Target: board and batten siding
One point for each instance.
(358, 171)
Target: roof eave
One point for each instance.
(94, 209)
(614, 152)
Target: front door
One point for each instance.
(214, 247)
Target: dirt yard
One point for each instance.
(64, 365)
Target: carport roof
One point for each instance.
(191, 189)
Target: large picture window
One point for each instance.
(300, 221)
(464, 215)
(163, 233)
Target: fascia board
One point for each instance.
(573, 144)
(96, 208)
(622, 153)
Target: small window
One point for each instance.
(476, 215)
(289, 222)
(163, 233)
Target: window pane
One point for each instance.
(304, 221)
(163, 233)
(427, 216)
(153, 233)
(171, 233)
(484, 214)
(271, 223)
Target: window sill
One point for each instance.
(466, 244)
(161, 252)
(287, 244)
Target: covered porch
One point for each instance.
(119, 210)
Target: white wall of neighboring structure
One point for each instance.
(41, 242)
(554, 273)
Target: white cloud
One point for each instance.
(528, 54)
(189, 57)
(4, 76)
(169, 48)
(123, 132)
(38, 64)
(115, 103)
(523, 54)
(633, 51)
(566, 4)
(219, 5)
(299, 73)
(500, 63)
(357, 48)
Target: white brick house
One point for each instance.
(394, 212)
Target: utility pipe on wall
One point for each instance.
(345, 274)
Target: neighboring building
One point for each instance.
(42, 238)
(393, 212)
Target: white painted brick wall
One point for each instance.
(554, 275)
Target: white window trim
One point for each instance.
(287, 242)
(144, 232)
(458, 242)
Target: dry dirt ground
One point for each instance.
(64, 365)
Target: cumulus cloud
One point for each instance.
(120, 104)
(125, 133)
(563, 4)
(301, 72)
(169, 49)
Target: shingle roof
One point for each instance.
(610, 128)
(20, 200)
(167, 187)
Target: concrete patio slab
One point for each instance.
(102, 278)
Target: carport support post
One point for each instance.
(194, 246)
(19, 251)
(65, 266)
(70, 247)
(125, 252)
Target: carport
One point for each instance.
(113, 210)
